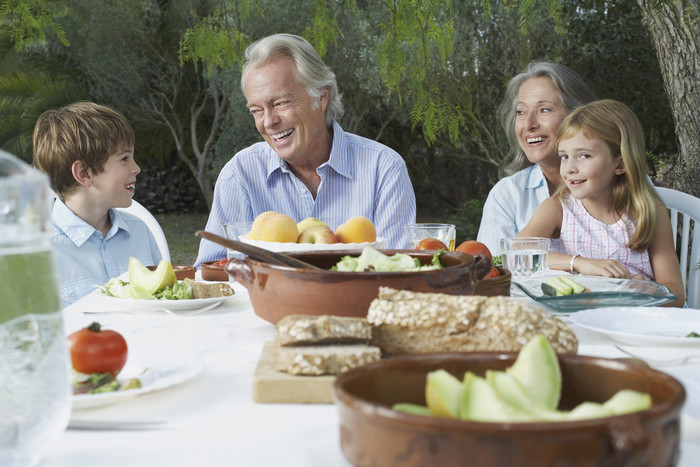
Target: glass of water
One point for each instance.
(234, 231)
(525, 256)
(35, 386)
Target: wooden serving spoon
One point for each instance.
(256, 253)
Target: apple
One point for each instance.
(317, 234)
(309, 222)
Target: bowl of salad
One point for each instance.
(349, 280)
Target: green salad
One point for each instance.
(373, 260)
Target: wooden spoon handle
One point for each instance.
(256, 253)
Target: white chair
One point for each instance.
(144, 214)
(685, 209)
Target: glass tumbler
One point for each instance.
(446, 233)
(525, 256)
(35, 386)
(234, 231)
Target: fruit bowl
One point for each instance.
(371, 433)
(278, 291)
(294, 247)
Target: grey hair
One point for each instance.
(316, 76)
(573, 92)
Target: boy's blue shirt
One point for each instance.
(85, 260)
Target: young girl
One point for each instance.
(606, 219)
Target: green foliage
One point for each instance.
(26, 21)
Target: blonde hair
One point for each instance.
(82, 131)
(618, 127)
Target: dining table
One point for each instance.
(206, 415)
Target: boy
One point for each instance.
(87, 150)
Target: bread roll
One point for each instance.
(211, 289)
(406, 322)
(326, 329)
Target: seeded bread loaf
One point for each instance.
(324, 359)
(406, 322)
(317, 330)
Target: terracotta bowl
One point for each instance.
(278, 291)
(371, 433)
(495, 285)
(181, 272)
(212, 271)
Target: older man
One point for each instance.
(307, 166)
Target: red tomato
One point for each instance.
(221, 262)
(472, 247)
(494, 273)
(430, 244)
(96, 351)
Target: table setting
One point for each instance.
(201, 404)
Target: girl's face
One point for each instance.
(539, 111)
(588, 167)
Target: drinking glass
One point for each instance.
(35, 386)
(234, 231)
(525, 256)
(446, 233)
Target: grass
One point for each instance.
(179, 229)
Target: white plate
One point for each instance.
(111, 304)
(642, 325)
(155, 370)
(286, 247)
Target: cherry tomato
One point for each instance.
(430, 244)
(472, 247)
(494, 273)
(94, 350)
(221, 262)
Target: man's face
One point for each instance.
(289, 120)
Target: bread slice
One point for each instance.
(406, 322)
(324, 359)
(297, 330)
(211, 289)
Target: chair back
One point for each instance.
(685, 214)
(138, 210)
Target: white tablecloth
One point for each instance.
(212, 419)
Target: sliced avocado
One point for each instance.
(627, 400)
(510, 391)
(575, 286)
(443, 394)
(413, 409)
(481, 403)
(586, 410)
(553, 286)
(537, 370)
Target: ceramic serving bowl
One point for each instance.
(495, 285)
(278, 291)
(372, 434)
(213, 271)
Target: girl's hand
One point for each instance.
(601, 267)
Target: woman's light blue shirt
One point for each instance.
(510, 205)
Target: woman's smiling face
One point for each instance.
(539, 111)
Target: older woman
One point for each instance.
(536, 102)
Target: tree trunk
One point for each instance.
(673, 27)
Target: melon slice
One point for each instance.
(443, 394)
(151, 281)
(537, 370)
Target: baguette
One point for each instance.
(295, 330)
(211, 289)
(324, 359)
(406, 322)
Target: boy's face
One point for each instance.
(114, 187)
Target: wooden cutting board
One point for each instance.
(271, 386)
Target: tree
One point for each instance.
(674, 28)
